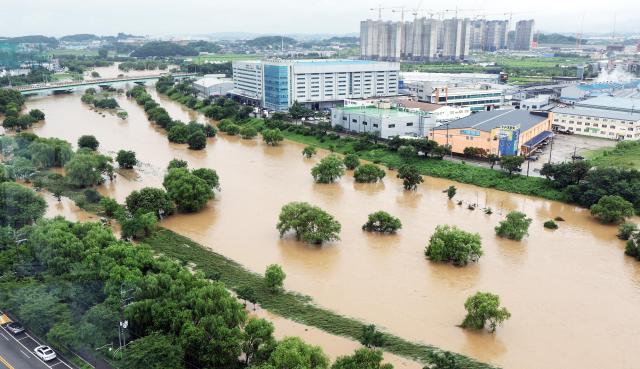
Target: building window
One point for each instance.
(354, 120)
(392, 126)
(409, 124)
(364, 123)
(375, 125)
(344, 118)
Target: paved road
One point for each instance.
(16, 352)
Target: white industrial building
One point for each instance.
(213, 85)
(383, 121)
(441, 113)
(477, 97)
(318, 84)
(247, 80)
(609, 117)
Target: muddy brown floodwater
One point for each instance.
(573, 294)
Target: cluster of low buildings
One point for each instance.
(460, 110)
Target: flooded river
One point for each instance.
(573, 295)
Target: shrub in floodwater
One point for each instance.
(550, 224)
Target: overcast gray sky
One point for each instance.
(152, 17)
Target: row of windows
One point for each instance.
(596, 119)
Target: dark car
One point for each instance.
(15, 328)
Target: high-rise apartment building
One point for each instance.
(455, 44)
(524, 35)
(449, 39)
(422, 40)
(495, 37)
(381, 40)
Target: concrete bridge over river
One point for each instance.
(69, 86)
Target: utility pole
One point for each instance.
(550, 150)
(123, 324)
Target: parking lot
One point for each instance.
(16, 351)
(563, 148)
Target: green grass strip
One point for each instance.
(290, 305)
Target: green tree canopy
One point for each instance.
(363, 358)
(308, 151)
(382, 222)
(351, 161)
(410, 176)
(150, 200)
(515, 226)
(86, 169)
(19, 206)
(274, 277)
(197, 140)
(208, 175)
(272, 137)
(328, 170)
(310, 223)
(177, 163)
(368, 173)
(292, 352)
(483, 308)
(511, 163)
(612, 209)
(188, 191)
(155, 351)
(88, 142)
(371, 337)
(258, 336)
(450, 244)
(126, 159)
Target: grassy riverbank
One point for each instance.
(289, 305)
(463, 173)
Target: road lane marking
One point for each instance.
(6, 363)
(28, 350)
(24, 353)
(4, 336)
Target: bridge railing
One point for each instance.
(96, 81)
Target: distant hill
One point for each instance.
(34, 39)
(163, 48)
(204, 46)
(556, 38)
(80, 37)
(271, 41)
(343, 40)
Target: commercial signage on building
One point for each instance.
(470, 132)
(509, 136)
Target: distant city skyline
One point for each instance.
(190, 17)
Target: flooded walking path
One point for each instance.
(573, 295)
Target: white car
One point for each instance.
(45, 353)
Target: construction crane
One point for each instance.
(380, 8)
(456, 10)
(429, 12)
(399, 9)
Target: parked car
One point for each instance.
(533, 157)
(15, 327)
(45, 353)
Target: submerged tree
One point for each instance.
(382, 222)
(351, 161)
(371, 337)
(368, 173)
(483, 308)
(328, 170)
(410, 176)
(450, 244)
(612, 209)
(515, 226)
(310, 223)
(308, 151)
